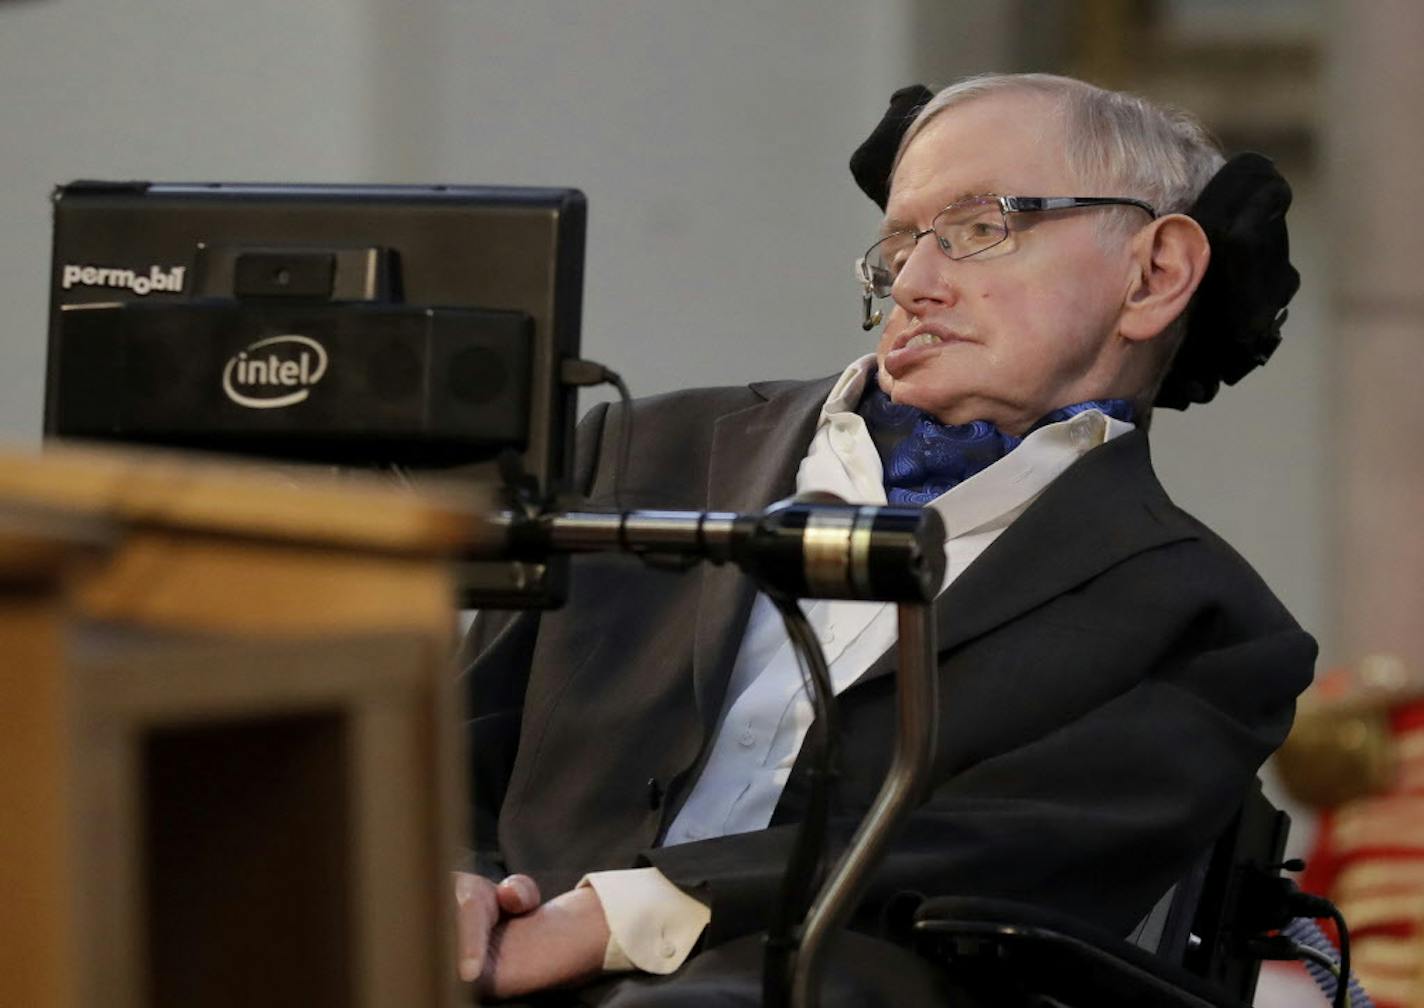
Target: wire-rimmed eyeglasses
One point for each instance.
(965, 228)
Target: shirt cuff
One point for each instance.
(652, 924)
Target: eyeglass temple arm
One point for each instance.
(1031, 203)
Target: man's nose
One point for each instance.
(926, 276)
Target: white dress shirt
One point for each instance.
(766, 713)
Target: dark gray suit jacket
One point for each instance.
(1112, 676)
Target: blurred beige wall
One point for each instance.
(158, 89)
(1374, 147)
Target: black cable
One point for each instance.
(1342, 992)
(1274, 902)
(625, 434)
(1304, 904)
(803, 866)
(584, 373)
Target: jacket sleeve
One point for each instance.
(496, 657)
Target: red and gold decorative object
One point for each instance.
(1356, 753)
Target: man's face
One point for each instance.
(1025, 327)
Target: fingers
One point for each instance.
(479, 905)
(476, 912)
(517, 894)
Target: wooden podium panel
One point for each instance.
(228, 768)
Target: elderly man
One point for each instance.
(1112, 673)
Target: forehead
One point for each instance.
(1009, 143)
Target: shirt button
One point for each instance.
(828, 635)
(746, 739)
(668, 950)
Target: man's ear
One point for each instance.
(1169, 259)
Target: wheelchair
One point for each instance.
(1196, 949)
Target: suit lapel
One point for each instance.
(754, 457)
(1054, 546)
(1059, 542)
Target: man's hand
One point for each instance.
(560, 944)
(480, 906)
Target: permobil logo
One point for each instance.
(169, 281)
(273, 372)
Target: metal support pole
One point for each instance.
(917, 707)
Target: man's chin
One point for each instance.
(906, 392)
(947, 409)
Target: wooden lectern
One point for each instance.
(227, 737)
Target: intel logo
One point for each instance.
(274, 372)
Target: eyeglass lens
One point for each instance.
(961, 230)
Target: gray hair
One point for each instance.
(1118, 143)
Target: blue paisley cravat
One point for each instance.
(922, 458)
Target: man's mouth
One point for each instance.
(919, 341)
(924, 334)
